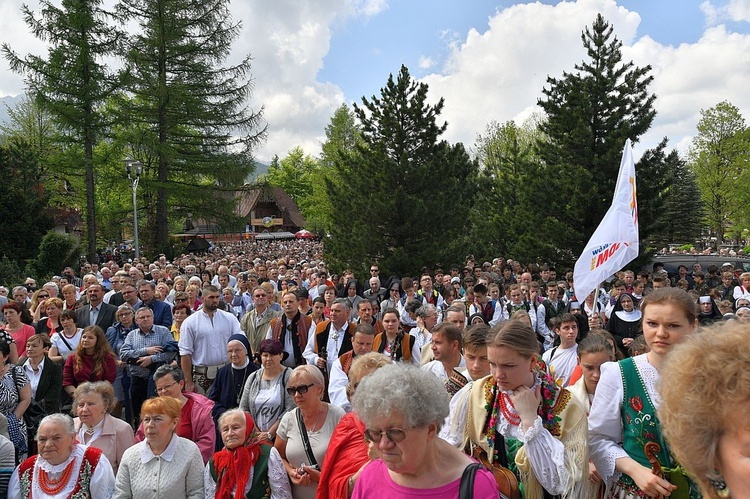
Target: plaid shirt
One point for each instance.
(136, 344)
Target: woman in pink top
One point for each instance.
(402, 408)
(18, 330)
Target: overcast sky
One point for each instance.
(488, 59)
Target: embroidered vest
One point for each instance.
(88, 465)
(642, 438)
(346, 361)
(401, 349)
(323, 331)
(300, 326)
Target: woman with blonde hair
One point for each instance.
(709, 382)
(625, 435)
(521, 419)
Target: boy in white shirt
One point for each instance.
(562, 360)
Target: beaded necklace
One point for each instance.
(53, 487)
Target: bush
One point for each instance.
(55, 253)
(10, 273)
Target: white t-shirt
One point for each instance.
(561, 362)
(268, 403)
(62, 348)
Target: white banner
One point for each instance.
(615, 242)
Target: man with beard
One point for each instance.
(203, 339)
(292, 329)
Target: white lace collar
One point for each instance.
(76, 453)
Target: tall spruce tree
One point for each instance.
(402, 197)
(192, 127)
(73, 82)
(590, 114)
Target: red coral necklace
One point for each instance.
(53, 487)
(505, 402)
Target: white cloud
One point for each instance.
(426, 62)
(739, 10)
(711, 12)
(498, 73)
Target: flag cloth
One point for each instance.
(615, 242)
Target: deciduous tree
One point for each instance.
(720, 159)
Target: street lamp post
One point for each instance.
(135, 167)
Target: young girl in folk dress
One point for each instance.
(624, 408)
(523, 420)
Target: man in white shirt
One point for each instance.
(562, 360)
(446, 347)
(335, 335)
(203, 339)
(364, 335)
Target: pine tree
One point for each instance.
(402, 196)
(590, 114)
(73, 83)
(191, 125)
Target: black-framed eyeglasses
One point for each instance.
(395, 435)
(302, 389)
(180, 299)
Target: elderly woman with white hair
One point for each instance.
(403, 408)
(62, 468)
(305, 432)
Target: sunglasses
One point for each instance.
(395, 435)
(43, 296)
(302, 389)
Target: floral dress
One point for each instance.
(10, 385)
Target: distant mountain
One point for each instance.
(261, 168)
(8, 102)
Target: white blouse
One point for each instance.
(545, 452)
(102, 483)
(605, 418)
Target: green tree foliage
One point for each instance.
(720, 159)
(72, 83)
(23, 203)
(402, 195)
(679, 217)
(293, 174)
(590, 114)
(56, 251)
(342, 136)
(192, 127)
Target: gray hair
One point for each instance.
(62, 419)
(177, 373)
(53, 285)
(125, 306)
(405, 390)
(343, 301)
(425, 310)
(20, 288)
(313, 373)
(231, 412)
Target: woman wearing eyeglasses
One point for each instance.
(195, 421)
(116, 334)
(403, 408)
(305, 432)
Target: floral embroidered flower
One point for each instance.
(636, 403)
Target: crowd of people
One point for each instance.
(253, 371)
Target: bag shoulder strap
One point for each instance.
(305, 439)
(466, 488)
